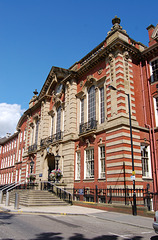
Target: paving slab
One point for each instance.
(69, 209)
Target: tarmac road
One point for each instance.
(75, 223)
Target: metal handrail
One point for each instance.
(19, 183)
(5, 187)
(59, 190)
(7, 192)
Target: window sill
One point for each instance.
(89, 180)
(77, 180)
(101, 179)
(147, 178)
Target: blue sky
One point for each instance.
(38, 34)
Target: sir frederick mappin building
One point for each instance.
(82, 115)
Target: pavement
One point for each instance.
(128, 219)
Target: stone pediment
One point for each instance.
(55, 76)
(155, 33)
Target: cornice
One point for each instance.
(116, 44)
(150, 51)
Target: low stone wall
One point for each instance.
(142, 211)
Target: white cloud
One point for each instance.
(9, 117)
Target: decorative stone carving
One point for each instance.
(51, 113)
(116, 25)
(126, 55)
(90, 79)
(57, 147)
(100, 71)
(126, 67)
(36, 116)
(111, 57)
(81, 83)
(111, 63)
(88, 142)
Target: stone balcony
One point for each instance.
(51, 139)
(32, 148)
(88, 126)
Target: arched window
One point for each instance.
(36, 131)
(91, 104)
(58, 122)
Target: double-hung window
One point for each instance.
(102, 162)
(156, 110)
(82, 111)
(58, 122)
(90, 163)
(145, 156)
(154, 67)
(52, 124)
(102, 106)
(36, 133)
(91, 104)
(78, 164)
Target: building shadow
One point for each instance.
(4, 216)
(154, 237)
(78, 236)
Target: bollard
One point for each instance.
(1, 196)
(16, 205)
(7, 199)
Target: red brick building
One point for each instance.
(77, 116)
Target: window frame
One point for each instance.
(78, 166)
(102, 104)
(91, 101)
(100, 162)
(151, 70)
(89, 162)
(155, 100)
(146, 162)
(58, 120)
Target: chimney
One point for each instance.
(151, 29)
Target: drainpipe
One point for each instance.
(152, 125)
(150, 134)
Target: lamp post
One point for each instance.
(57, 158)
(134, 207)
(31, 165)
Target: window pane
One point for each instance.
(90, 163)
(78, 159)
(145, 161)
(154, 65)
(91, 104)
(82, 110)
(58, 124)
(102, 109)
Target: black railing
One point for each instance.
(62, 193)
(116, 195)
(88, 126)
(32, 148)
(53, 138)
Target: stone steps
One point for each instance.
(36, 198)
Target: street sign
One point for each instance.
(133, 177)
(81, 191)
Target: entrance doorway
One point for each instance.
(51, 165)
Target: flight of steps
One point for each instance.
(36, 198)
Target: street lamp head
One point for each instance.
(57, 157)
(31, 163)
